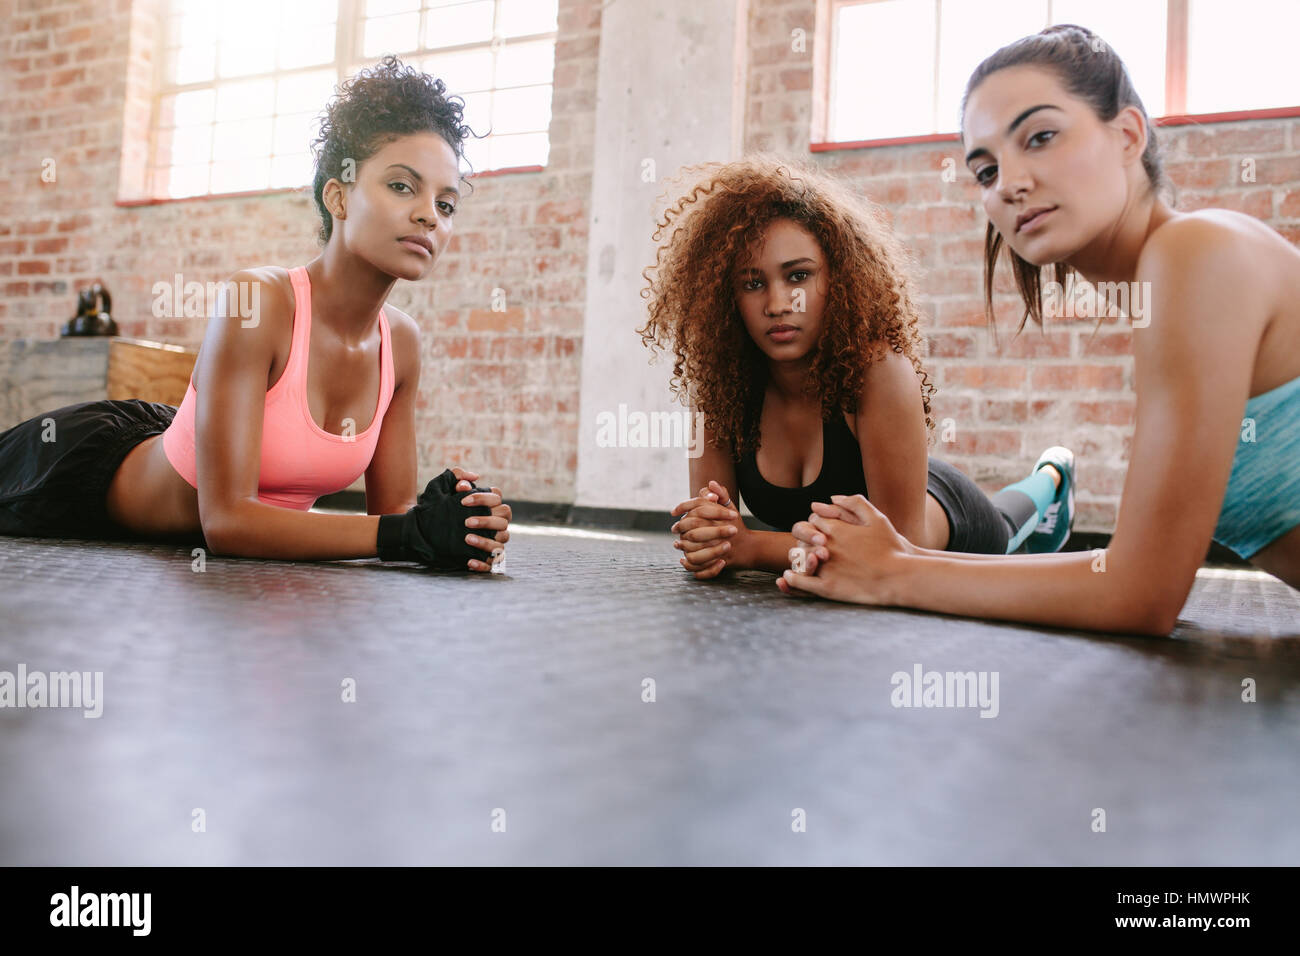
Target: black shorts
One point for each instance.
(975, 525)
(56, 468)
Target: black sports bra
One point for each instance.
(841, 474)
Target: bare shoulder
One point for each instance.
(888, 373)
(399, 320)
(275, 301)
(405, 333)
(273, 284)
(1221, 240)
(253, 324)
(1213, 264)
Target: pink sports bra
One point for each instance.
(300, 460)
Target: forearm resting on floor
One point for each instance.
(253, 529)
(1041, 558)
(1069, 589)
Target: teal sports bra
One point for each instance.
(1262, 501)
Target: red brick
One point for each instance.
(74, 36)
(1290, 206)
(964, 282)
(851, 163)
(562, 211)
(1034, 342)
(528, 348)
(953, 345)
(935, 219)
(1282, 170)
(1079, 377)
(962, 252)
(1096, 515)
(983, 376)
(30, 267)
(1116, 412)
(451, 346)
(486, 320)
(1101, 479)
(1234, 141)
(903, 189)
(1202, 173)
(1253, 202)
(472, 242)
(545, 237)
(949, 405)
(1115, 342)
(31, 42)
(67, 77)
(986, 441)
(931, 160)
(961, 314)
(1010, 412)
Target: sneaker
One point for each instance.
(1054, 527)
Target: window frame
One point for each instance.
(348, 60)
(1176, 46)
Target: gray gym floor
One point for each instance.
(522, 693)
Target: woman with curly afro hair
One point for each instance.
(788, 306)
(305, 380)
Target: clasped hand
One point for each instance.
(709, 532)
(853, 550)
(493, 529)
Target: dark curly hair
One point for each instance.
(692, 302)
(375, 107)
(1088, 68)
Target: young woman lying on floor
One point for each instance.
(269, 421)
(1065, 155)
(788, 307)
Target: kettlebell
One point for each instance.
(92, 318)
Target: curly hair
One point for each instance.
(375, 107)
(692, 303)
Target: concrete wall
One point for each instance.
(665, 99)
(39, 375)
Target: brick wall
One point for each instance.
(499, 390)
(1064, 386)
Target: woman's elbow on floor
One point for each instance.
(221, 536)
(1152, 619)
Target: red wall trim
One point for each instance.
(894, 141)
(252, 192)
(305, 190)
(1188, 119)
(508, 170)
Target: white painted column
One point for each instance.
(670, 92)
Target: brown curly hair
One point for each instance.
(692, 303)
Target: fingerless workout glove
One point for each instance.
(433, 532)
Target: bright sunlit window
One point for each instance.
(499, 55)
(243, 83)
(1240, 57)
(899, 67)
